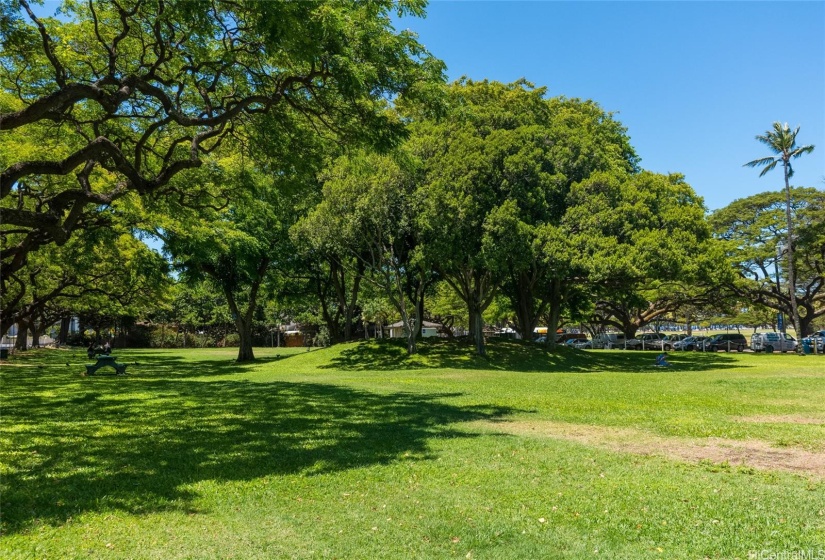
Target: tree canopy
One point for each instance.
(754, 231)
(122, 97)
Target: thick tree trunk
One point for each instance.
(36, 329)
(554, 314)
(528, 312)
(805, 324)
(63, 336)
(477, 324)
(410, 321)
(6, 323)
(474, 287)
(415, 286)
(346, 302)
(21, 343)
(245, 353)
(351, 305)
(629, 331)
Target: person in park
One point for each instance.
(91, 350)
(661, 360)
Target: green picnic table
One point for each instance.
(105, 360)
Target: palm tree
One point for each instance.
(782, 142)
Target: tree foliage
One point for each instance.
(754, 231)
(105, 271)
(124, 96)
(645, 246)
(498, 167)
(367, 217)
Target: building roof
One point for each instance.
(425, 324)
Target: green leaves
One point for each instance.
(753, 232)
(781, 140)
(125, 97)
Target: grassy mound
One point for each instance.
(502, 355)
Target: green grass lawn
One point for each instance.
(358, 451)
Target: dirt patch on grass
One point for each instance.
(781, 419)
(750, 453)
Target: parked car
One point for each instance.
(566, 338)
(689, 343)
(674, 338)
(647, 341)
(583, 344)
(668, 342)
(609, 340)
(773, 341)
(726, 342)
(817, 341)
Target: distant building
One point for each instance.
(396, 330)
(293, 339)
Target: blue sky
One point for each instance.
(693, 82)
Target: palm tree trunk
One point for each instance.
(791, 273)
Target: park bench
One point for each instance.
(105, 360)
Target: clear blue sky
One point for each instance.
(693, 82)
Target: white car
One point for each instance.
(773, 342)
(609, 340)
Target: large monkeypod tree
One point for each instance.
(498, 166)
(643, 240)
(754, 232)
(118, 97)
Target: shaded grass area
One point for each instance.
(127, 443)
(345, 453)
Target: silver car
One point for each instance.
(688, 343)
(647, 341)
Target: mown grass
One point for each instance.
(359, 451)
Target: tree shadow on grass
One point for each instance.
(72, 448)
(146, 364)
(510, 355)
